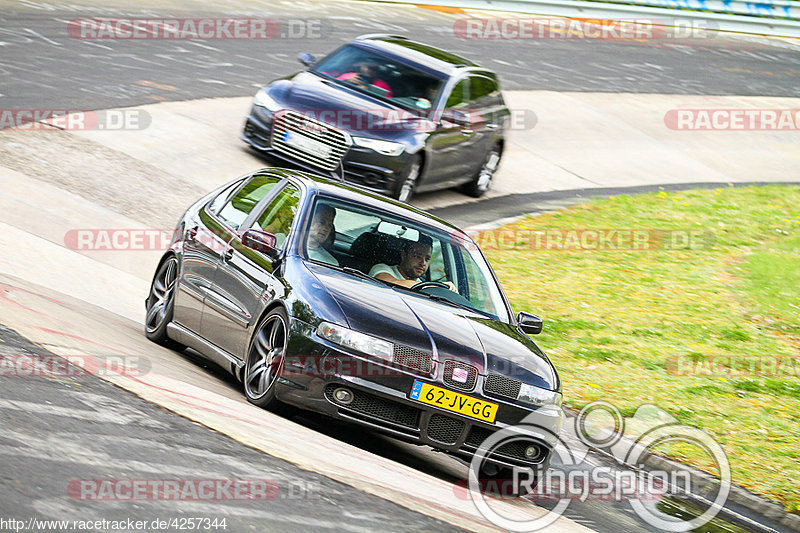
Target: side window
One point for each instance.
(484, 92)
(234, 212)
(217, 203)
(458, 97)
(278, 216)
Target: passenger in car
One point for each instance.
(319, 234)
(414, 260)
(367, 75)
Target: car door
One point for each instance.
(450, 143)
(488, 113)
(244, 279)
(198, 264)
(219, 228)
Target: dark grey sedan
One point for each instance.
(390, 114)
(327, 298)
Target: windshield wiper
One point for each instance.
(451, 302)
(356, 272)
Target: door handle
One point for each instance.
(492, 126)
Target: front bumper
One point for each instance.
(381, 402)
(363, 167)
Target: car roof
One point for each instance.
(426, 55)
(327, 187)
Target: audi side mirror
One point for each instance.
(306, 59)
(456, 117)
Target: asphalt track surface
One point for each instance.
(41, 67)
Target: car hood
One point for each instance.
(343, 107)
(445, 331)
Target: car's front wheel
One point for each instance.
(160, 302)
(483, 178)
(408, 180)
(265, 358)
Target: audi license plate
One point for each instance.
(307, 144)
(453, 401)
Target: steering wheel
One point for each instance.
(426, 284)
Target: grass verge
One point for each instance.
(692, 304)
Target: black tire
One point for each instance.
(404, 189)
(160, 303)
(265, 358)
(485, 174)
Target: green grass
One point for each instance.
(617, 321)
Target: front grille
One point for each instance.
(377, 407)
(445, 429)
(472, 375)
(412, 358)
(500, 385)
(512, 450)
(293, 123)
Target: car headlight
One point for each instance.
(262, 99)
(538, 396)
(357, 341)
(382, 147)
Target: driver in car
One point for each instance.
(414, 260)
(367, 75)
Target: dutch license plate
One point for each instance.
(307, 144)
(453, 401)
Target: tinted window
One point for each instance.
(458, 97)
(234, 212)
(278, 216)
(217, 203)
(484, 92)
(363, 70)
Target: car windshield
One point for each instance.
(365, 71)
(349, 236)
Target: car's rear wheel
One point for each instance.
(483, 178)
(408, 181)
(160, 302)
(265, 358)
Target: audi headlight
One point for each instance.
(263, 99)
(538, 396)
(357, 341)
(382, 147)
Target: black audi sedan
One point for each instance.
(390, 114)
(321, 296)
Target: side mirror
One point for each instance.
(530, 324)
(456, 117)
(306, 59)
(261, 241)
